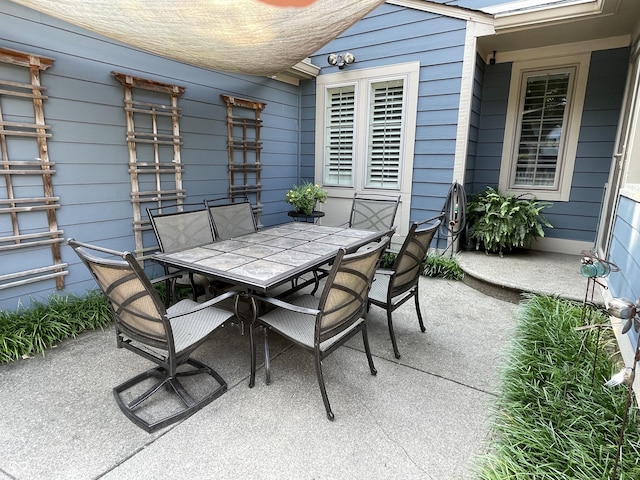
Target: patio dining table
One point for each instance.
(258, 262)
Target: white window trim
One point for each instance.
(566, 164)
(363, 78)
(337, 204)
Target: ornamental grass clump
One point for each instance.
(555, 418)
(304, 197)
(30, 331)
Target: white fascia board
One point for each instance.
(445, 10)
(516, 7)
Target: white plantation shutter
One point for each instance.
(542, 128)
(338, 158)
(384, 144)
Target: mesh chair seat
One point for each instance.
(194, 325)
(164, 336)
(321, 325)
(300, 327)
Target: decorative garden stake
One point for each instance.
(592, 267)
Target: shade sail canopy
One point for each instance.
(257, 37)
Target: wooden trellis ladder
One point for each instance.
(32, 219)
(244, 146)
(157, 164)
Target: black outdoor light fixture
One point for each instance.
(341, 59)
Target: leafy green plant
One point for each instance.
(555, 418)
(443, 267)
(304, 197)
(27, 332)
(434, 265)
(505, 222)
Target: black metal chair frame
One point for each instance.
(145, 327)
(406, 269)
(329, 321)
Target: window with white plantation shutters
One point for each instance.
(384, 144)
(542, 126)
(544, 109)
(339, 136)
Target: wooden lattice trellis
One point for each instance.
(244, 146)
(32, 219)
(153, 137)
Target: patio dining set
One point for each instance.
(256, 278)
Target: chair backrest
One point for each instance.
(137, 308)
(179, 230)
(408, 263)
(230, 220)
(373, 211)
(344, 298)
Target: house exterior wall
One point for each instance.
(409, 35)
(625, 253)
(576, 219)
(88, 145)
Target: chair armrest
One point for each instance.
(384, 271)
(169, 276)
(288, 306)
(207, 304)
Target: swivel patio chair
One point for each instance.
(230, 220)
(322, 325)
(177, 230)
(373, 211)
(166, 337)
(393, 287)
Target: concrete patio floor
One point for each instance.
(424, 416)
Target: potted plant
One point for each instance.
(304, 197)
(502, 223)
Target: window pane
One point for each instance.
(338, 155)
(385, 134)
(542, 129)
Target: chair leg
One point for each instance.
(252, 346)
(396, 352)
(365, 339)
(415, 294)
(323, 389)
(267, 366)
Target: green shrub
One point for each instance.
(555, 418)
(27, 332)
(502, 223)
(443, 267)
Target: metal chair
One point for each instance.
(230, 220)
(167, 337)
(393, 287)
(322, 325)
(373, 211)
(177, 230)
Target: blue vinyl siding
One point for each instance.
(625, 252)
(576, 219)
(86, 113)
(390, 35)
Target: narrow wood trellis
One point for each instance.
(244, 146)
(15, 137)
(157, 127)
